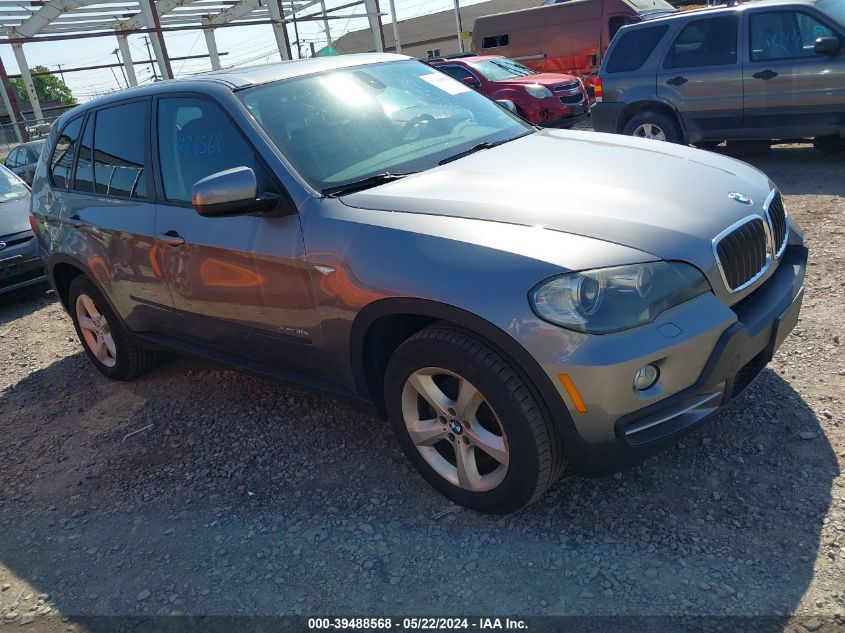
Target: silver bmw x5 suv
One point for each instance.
(515, 301)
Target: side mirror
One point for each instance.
(828, 46)
(230, 192)
(508, 104)
(472, 82)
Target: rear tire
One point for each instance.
(829, 144)
(656, 125)
(103, 336)
(496, 454)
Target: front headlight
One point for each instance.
(612, 299)
(537, 91)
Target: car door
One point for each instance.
(111, 213)
(790, 90)
(239, 283)
(701, 76)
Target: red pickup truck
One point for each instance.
(548, 99)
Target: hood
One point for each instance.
(14, 216)
(543, 79)
(667, 200)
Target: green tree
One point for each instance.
(47, 87)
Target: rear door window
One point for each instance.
(61, 160)
(119, 150)
(633, 48)
(706, 42)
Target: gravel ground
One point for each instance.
(198, 490)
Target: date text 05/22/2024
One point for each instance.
(418, 624)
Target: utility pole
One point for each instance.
(296, 32)
(395, 26)
(150, 56)
(116, 80)
(458, 24)
(122, 70)
(61, 73)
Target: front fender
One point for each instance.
(502, 343)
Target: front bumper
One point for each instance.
(20, 263)
(710, 360)
(579, 113)
(552, 112)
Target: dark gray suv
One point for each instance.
(376, 229)
(758, 71)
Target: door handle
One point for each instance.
(765, 75)
(75, 221)
(172, 238)
(677, 81)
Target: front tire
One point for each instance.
(102, 335)
(468, 423)
(655, 125)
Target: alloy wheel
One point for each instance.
(455, 429)
(650, 130)
(95, 330)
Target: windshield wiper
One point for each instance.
(479, 147)
(364, 183)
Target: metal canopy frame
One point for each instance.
(31, 21)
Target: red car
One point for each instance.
(548, 99)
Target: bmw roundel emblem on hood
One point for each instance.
(739, 197)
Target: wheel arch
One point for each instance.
(63, 269)
(645, 105)
(385, 324)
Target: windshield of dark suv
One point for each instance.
(393, 118)
(11, 187)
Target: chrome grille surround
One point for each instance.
(778, 221)
(568, 87)
(746, 254)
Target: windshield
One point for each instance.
(501, 69)
(341, 127)
(834, 8)
(11, 187)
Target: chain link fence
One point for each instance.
(11, 134)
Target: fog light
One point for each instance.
(646, 377)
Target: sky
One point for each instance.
(244, 45)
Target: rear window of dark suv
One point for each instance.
(633, 48)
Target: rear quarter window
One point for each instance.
(633, 48)
(706, 42)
